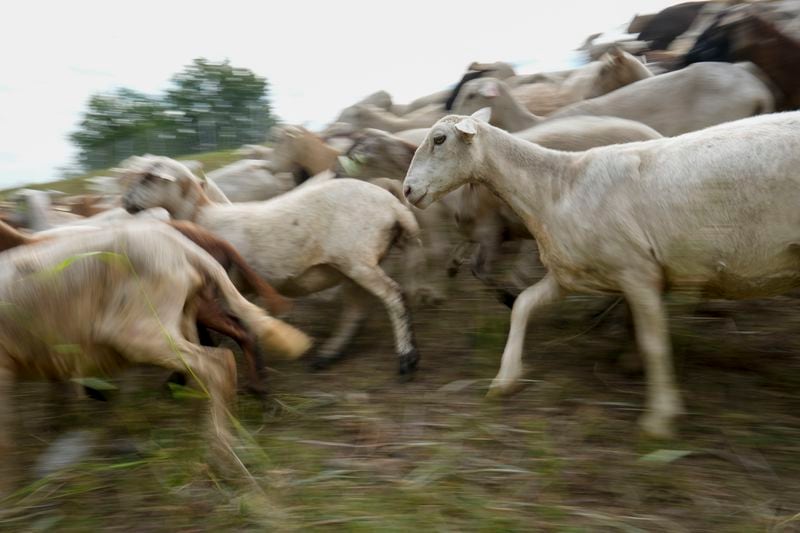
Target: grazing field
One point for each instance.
(353, 448)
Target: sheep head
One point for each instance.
(376, 153)
(154, 181)
(448, 158)
(289, 148)
(618, 68)
(477, 94)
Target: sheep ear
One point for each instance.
(166, 177)
(466, 127)
(483, 114)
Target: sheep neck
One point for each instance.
(529, 178)
(196, 200)
(511, 115)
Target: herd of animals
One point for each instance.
(623, 177)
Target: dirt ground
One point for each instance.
(354, 448)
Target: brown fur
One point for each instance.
(86, 205)
(773, 52)
(10, 237)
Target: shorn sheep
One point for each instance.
(480, 216)
(91, 303)
(307, 240)
(713, 212)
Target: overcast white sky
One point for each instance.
(319, 56)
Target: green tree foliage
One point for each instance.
(210, 106)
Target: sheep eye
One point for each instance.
(439, 139)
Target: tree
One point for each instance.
(220, 106)
(210, 106)
(116, 126)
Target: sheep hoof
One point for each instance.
(656, 427)
(503, 388)
(408, 362)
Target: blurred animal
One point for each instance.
(250, 180)
(34, 211)
(738, 35)
(614, 70)
(498, 70)
(307, 240)
(366, 116)
(669, 23)
(210, 314)
(712, 212)
(301, 152)
(507, 113)
(91, 303)
(255, 151)
(682, 101)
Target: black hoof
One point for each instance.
(408, 362)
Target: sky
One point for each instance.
(319, 56)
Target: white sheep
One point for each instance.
(480, 216)
(713, 212)
(307, 240)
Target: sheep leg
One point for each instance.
(457, 257)
(533, 298)
(420, 275)
(485, 255)
(375, 280)
(350, 320)
(213, 368)
(663, 397)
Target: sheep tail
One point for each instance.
(273, 334)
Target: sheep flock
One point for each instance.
(617, 207)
